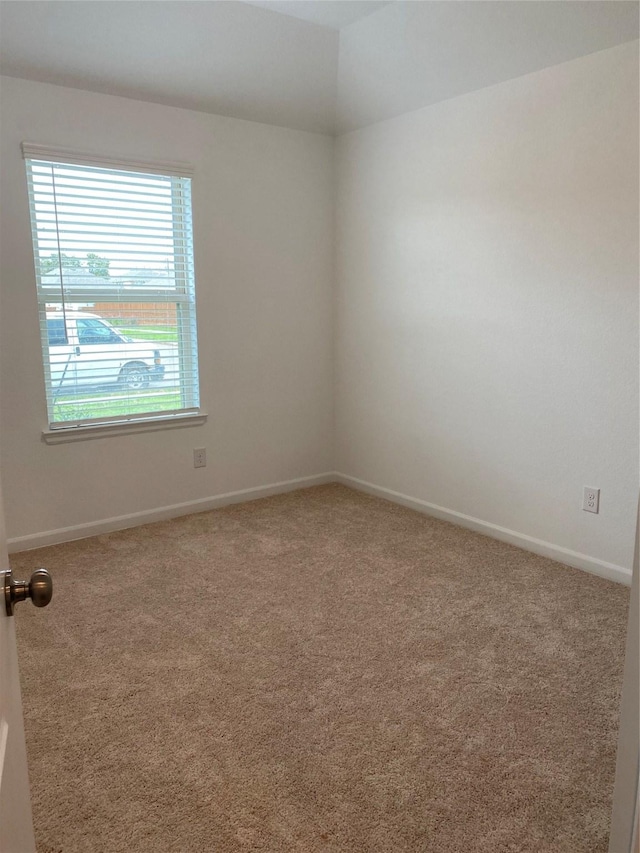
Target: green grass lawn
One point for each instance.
(101, 404)
(151, 333)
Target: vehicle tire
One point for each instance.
(135, 376)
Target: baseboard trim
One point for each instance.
(121, 522)
(610, 571)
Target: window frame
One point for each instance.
(182, 294)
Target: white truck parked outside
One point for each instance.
(86, 350)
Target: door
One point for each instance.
(100, 353)
(16, 826)
(625, 837)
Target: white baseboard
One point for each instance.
(546, 549)
(121, 522)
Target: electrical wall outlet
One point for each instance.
(199, 457)
(591, 499)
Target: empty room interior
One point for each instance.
(319, 371)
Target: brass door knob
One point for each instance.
(39, 588)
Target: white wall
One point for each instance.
(487, 304)
(485, 317)
(408, 54)
(263, 213)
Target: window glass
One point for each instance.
(113, 253)
(56, 332)
(92, 331)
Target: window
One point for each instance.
(113, 251)
(56, 332)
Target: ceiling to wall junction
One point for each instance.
(327, 66)
(328, 13)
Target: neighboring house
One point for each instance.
(81, 287)
(73, 282)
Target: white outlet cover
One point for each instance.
(591, 499)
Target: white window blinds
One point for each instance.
(113, 248)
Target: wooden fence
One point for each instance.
(138, 313)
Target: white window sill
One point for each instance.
(86, 433)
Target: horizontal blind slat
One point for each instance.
(106, 211)
(81, 227)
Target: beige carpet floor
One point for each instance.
(319, 671)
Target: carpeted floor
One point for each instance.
(319, 671)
